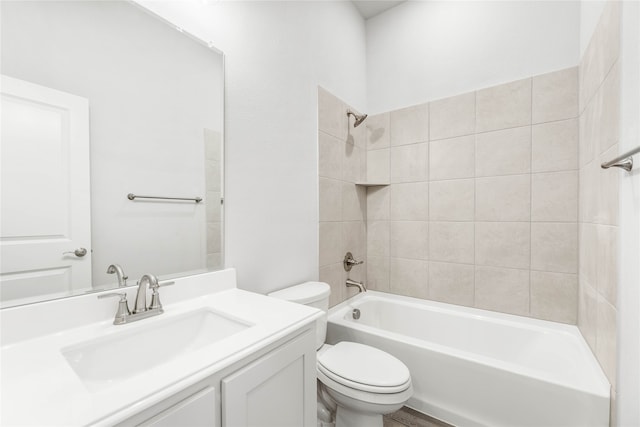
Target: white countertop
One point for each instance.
(39, 387)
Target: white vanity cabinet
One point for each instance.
(272, 387)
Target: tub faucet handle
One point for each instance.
(349, 261)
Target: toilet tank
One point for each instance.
(313, 294)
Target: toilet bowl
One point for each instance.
(362, 382)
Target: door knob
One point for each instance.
(80, 252)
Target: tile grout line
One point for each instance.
(530, 196)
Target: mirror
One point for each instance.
(101, 100)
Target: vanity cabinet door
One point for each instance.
(198, 410)
(277, 390)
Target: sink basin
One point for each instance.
(104, 361)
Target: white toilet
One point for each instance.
(362, 381)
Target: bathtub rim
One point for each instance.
(600, 386)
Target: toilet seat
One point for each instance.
(363, 368)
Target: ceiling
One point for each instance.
(371, 8)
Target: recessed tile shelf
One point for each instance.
(372, 184)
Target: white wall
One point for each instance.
(590, 11)
(276, 53)
(425, 50)
(629, 244)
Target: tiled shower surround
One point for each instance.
(598, 223)
(482, 203)
(492, 199)
(342, 157)
(482, 206)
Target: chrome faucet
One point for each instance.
(359, 285)
(117, 269)
(140, 311)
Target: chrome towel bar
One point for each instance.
(623, 161)
(132, 196)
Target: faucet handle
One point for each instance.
(155, 296)
(123, 307)
(349, 262)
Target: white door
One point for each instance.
(45, 202)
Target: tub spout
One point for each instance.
(359, 285)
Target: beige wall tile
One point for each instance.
(354, 240)
(606, 342)
(607, 262)
(214, 237)
(332, 115)
(330, 194)
(503, 198)
(409, 163)
(609, 121)
(410, 125)
(378, 131)
(330, 242)
(588, 197)
(353, 163)
(554, 247)
(602, 52)
(214, 208)
(554, 146)
(329, 156)
(587, 312)
(408, 277)
(354, 202)
(378, 273)
(378, 203)
(452, 200)
(554, 196)
(504, 106)
(451, 117)
(214, 260)
(451, 242)
(503, 152)
(607, 188)
(503, 244)
(588, 253)
(588, 129)
(409, 202)
(332, 275)
(452, 158)
(555, 96)
(502, 289)
(378, 238)
(213, 175)
(554, 296)
(408, 239)
(451, 283)
(599, 124)
(378, 166)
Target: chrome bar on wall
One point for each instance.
(132, 196)
(624, 161)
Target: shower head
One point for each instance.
(359, 118)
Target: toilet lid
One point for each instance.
(356, 364)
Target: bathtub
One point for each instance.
(473, 367)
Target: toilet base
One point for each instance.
(349, 418)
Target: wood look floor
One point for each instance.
(407, 417)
